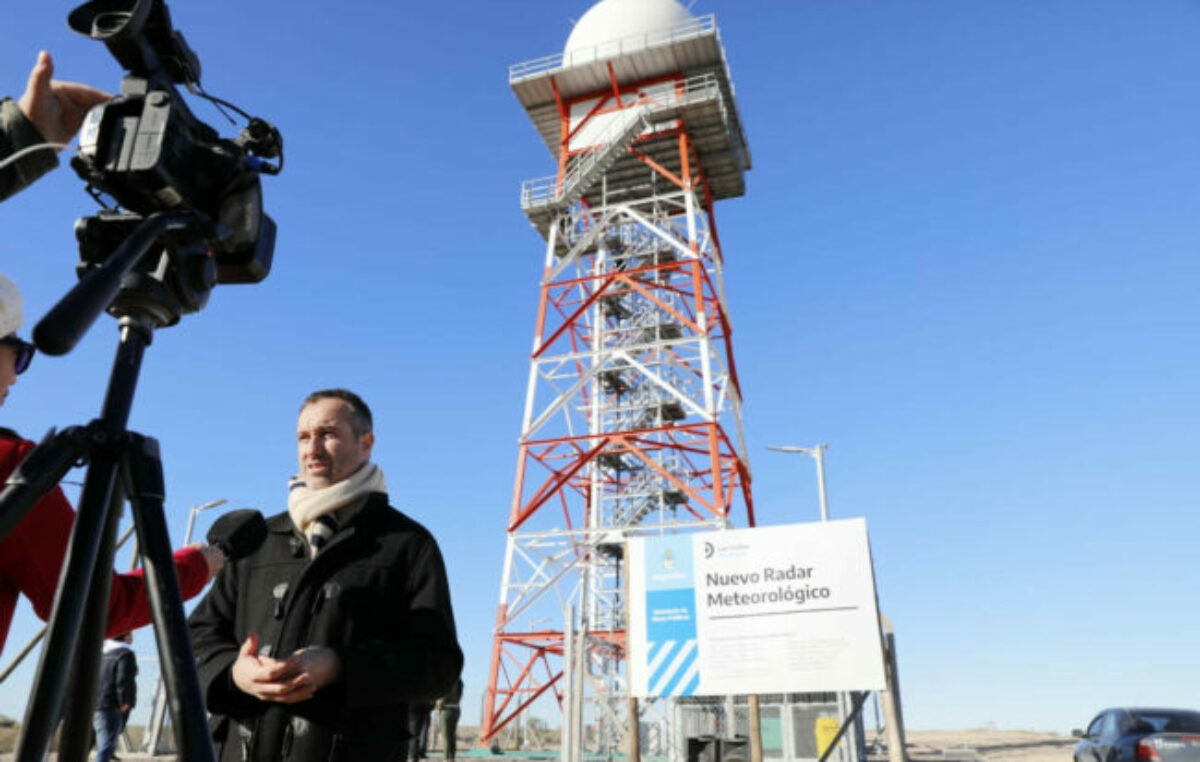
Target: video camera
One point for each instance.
(145, 149)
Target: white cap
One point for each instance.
(10, 307)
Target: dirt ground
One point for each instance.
(923, 746)
(989, 746)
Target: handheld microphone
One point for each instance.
(238, 533)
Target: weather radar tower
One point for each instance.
(632, 422)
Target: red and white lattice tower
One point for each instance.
(632, 419)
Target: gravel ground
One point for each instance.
(989, 746)
(923, 746)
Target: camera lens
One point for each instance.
(110, 22)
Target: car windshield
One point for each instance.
(1170, 721)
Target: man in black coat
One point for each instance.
(313, 646)
(117, 694)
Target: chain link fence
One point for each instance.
(718, 728)
(704, 729)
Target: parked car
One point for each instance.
(1135, 734)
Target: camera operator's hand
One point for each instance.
(57, 108)
(269, 679)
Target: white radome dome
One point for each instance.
(611, 20)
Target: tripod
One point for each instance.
(121, 465)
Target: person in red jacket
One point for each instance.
(32, 554)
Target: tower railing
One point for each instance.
(690, 29)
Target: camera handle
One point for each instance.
(120, 463)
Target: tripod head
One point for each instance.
(155, 295)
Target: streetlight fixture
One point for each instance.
(187, 536)
(817, 452)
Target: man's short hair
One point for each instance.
(360, 415)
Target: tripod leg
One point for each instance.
(45, 706)
(85, 673)
(144, 484)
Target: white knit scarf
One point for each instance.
(306, 504)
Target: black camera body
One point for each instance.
(146, 150)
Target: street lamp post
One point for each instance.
(891, 696)
(818, 454)
(158, 711)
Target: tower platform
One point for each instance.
(690, 60)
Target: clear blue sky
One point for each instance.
(967, 259)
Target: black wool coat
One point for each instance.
(377, 594)
(118, 679)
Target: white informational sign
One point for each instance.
(777, 609)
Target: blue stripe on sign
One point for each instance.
(655, 670)
(683, 666)
(667, 679)
(655, 653)
(694, 683)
